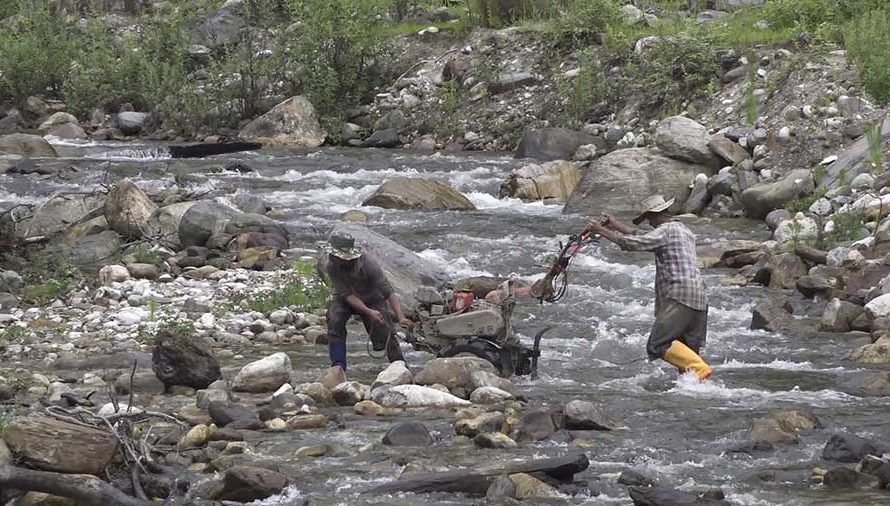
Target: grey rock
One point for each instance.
(183, 360)
(535, 425)
(417, 193)
(839, 315)
(846, 447)
(11, 282)
(127, 209)
(510, 81)
(408, 434)
(844, 478)
(585, 415)
(552, 143)
(683, 139)
(33, 146)
(699, 196)
(388, 138)
(761, 199)
(202, 220)
(130, 123)
(292, 122)
(727, 149)
(247, 484)
(774, 218)
(225, 413)
(619, 181)
(756, 137)
(456, 373)
(852, 161)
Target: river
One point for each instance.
(675, 430)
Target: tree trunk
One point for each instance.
(477, 481)
(85, 489)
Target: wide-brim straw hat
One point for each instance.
(343, 247)
(653, 204)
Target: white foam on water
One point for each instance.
(145, 154)
(784, 365)
(455, 266)
(689, 386)
(331, 176)
(642, 275)
(80, 143)
(488, 202)
(287, 496)
(331, 199)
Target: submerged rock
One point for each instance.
(246, 484)
(417, 193)
(585, 415)
(845, 447)
(408, 434)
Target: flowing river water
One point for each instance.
(675, 430)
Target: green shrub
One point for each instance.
(674, 70)
(868, 44)
(339, 52)
(36, 51)
(305, 289)
(589, 89)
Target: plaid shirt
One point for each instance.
(676, 271)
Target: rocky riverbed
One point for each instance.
(790, 418)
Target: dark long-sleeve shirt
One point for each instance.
(363, 278)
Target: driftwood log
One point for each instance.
(208, 149)
(84, 488)
(811, 254)
(56, 445)
(476, 481)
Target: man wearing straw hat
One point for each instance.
(359, 287)
(681, 309)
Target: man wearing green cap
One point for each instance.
(359, 287)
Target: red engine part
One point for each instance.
(461, 301)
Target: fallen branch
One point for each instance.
(423, 62)
(811, 254)
(84, 488)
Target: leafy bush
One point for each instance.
(868, 44)
(36, 51)
(305, 289)
(672, 71)
(339, 51)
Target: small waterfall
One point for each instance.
(158, 153)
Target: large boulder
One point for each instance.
(57, 119)
(69, 131)
(683, 139)
(456, 373)
(184, 360)
(220, 27)
(619, 181)
(27, 145)
(408, 434)
(52, 444)
(875, 353)
(417, 193)
(415, 396)
(852, 162)
(202, 220)
(264, 375)
(760, 199)
(51, 217)
(127, 209)
(130, 123)
(293, 122)
(845, 447)
(164, 223)
(727, 149)
(868, 384)
(549, 181)
(838, 316)
(404, 269)
(552, 143)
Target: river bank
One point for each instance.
(603, 323)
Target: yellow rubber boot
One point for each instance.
(683, 358)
